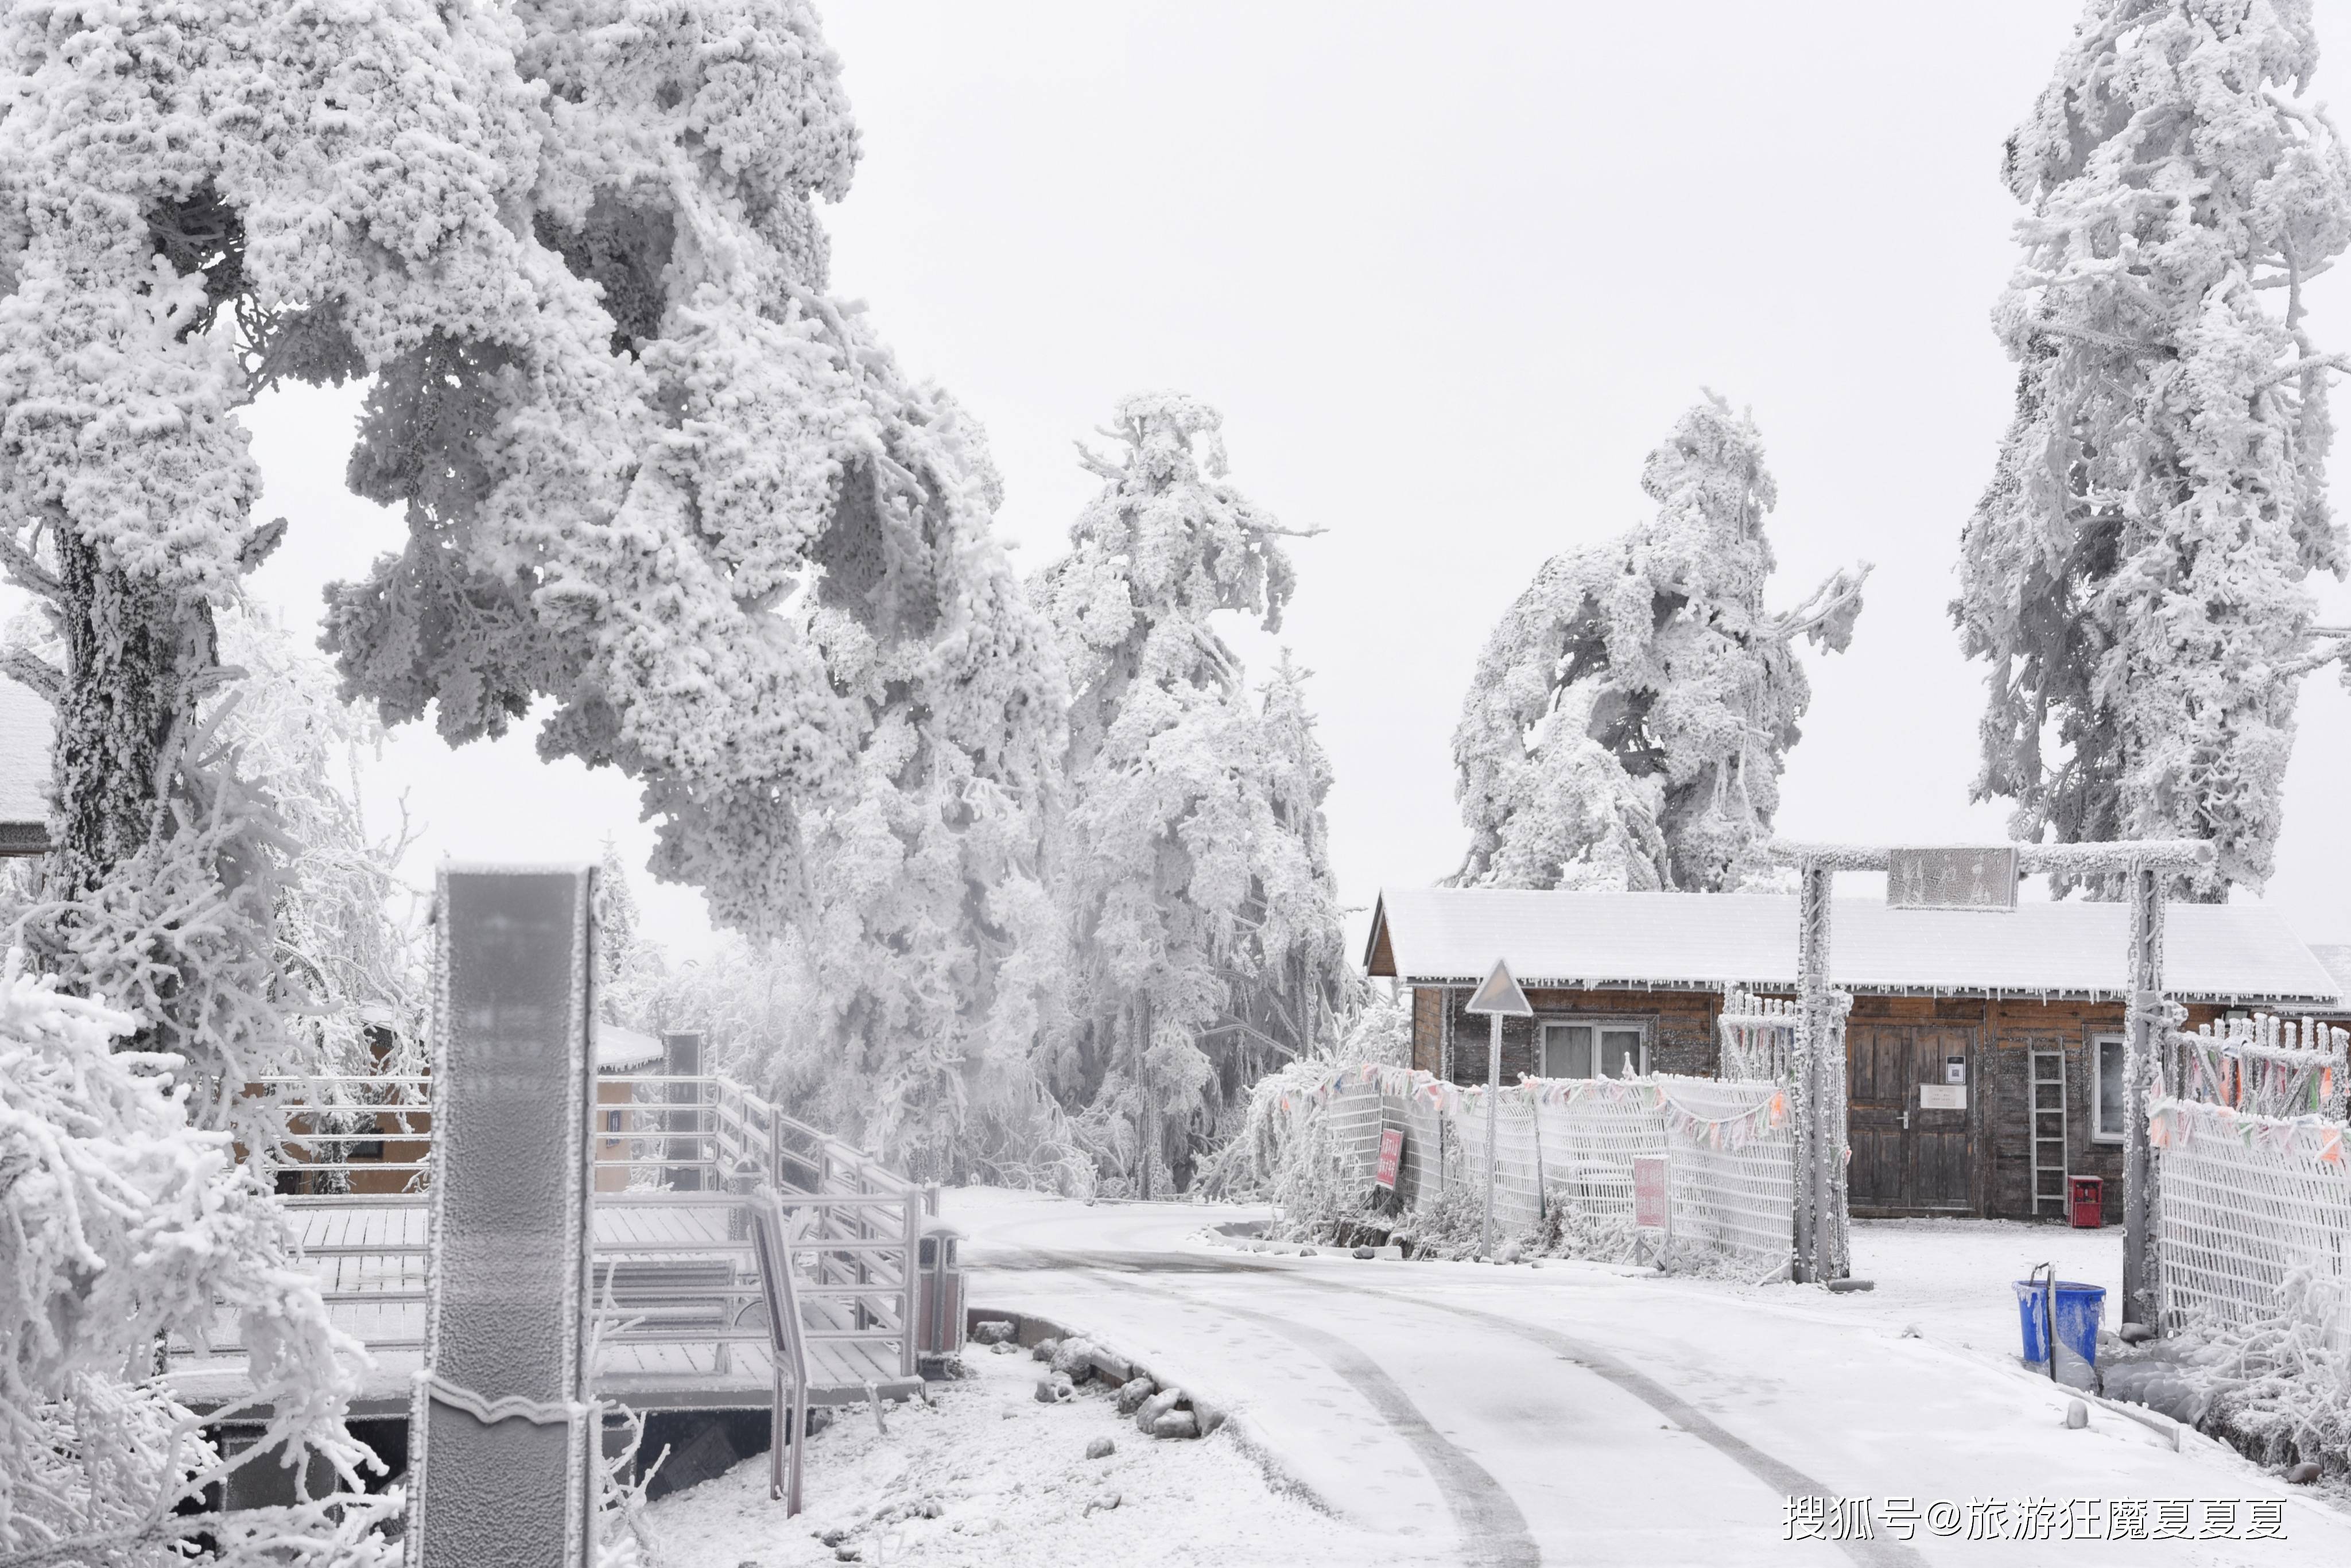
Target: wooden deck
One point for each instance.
(368, 1257)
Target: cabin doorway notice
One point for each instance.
(1908, 1119)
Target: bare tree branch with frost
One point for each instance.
(1632, 712)
(2134, 573)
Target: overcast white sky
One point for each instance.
(1449, 273)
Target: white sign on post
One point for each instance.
(1957, 878)
(1499, 998)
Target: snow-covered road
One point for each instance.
(1586, 1414)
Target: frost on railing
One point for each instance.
(1759, 1037)
(676, 1160)
(2253, 1195)
(2270, 1066)
(1563, 1161)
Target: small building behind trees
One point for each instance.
(1980, 1001)
(25, 726)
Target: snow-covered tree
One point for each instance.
(348, 980)
(2134, 573)
(1632, 712)
(193, 205)
(264, 931)
(120, 1224)
(658, 477)
(631, 971)
(639, 452)
(1191, 857)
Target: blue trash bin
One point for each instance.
(2080, 1308)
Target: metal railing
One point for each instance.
(694, 1151)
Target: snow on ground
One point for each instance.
(1011, 1486)
(1950, 1279)
(1583, 1412)
(1450, 1412)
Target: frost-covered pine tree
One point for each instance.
(631, 971)
(1632, 712)
(1190, 857)
(2134, 573)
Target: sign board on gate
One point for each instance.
(1942, 1097)
(1391, 1156)
(1652, 1202)
(1958, 878)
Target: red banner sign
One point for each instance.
(1652, 1204)
(1391, 1156)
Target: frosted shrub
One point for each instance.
(2279, 1389)
(120, 1224)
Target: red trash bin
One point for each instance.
(2088, 1207)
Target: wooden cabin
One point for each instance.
(1955, 1014)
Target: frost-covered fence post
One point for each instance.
(1822, 1249)
(2146, 1015)
(502, 1425)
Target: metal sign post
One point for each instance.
(1499, 998)
(503, 1426)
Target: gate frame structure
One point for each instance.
(1824, 1248)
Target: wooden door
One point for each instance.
(1906, 1159)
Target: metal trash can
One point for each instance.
(939, 1290)
(2085, 1206)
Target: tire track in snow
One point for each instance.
(1494, 1533)
(1773, 1473)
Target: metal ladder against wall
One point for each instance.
(2047, 1089)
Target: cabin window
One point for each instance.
(2108, 1054)
(1595, 1049)
(612, 1121)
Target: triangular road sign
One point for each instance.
(1501, 994)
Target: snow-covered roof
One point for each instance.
(2219, 952)
(618, 1049)
(24, 730)
(2335, 958)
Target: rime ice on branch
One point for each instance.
(2133, 573)
(1631, 713)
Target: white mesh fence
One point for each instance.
(1734, 1167)
(2251, 1183)
(2244, 1200)
(1564, 1152)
